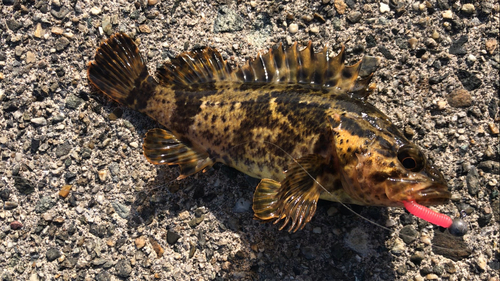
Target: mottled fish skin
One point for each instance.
(286, 117)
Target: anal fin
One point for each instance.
(295, 199)
(162, 147)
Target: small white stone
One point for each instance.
(384, 8)
(317, 230)
(95, 11)
(448, 14)
(134, 144)
(471, 58)
(314, 29)
(293, 28)
(468, 8)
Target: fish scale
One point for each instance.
(298, 120)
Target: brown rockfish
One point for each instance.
(298, 120)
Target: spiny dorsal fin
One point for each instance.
(195, 67)
(278, 65)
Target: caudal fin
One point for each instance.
(120, 72)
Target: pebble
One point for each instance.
(134, 144)
(481, 262)
(123, 268)
(459, 98)
(354, 16)
(95, 11)
(340, 6)
(412, 42)
(44, 204)
(491, 45)
(314, 29)
(57, 30)
(23, 185)
(317, 230)
(140, 242)
(156, 247)
(242, 205)
(61, 43)
(103, 175)
(493, 128)
(52, 254)
(228, 20)
(293, 28)
(152, 2)
(144, 28)
(358, 241)
(468, 8)
(448, 14)
(384, 8)
(431, 276)
(65, 190)
(417, 257)
(121, 210)
(9, 205)
(40, 121)
(408, 234)
(15, 225)
(30, 57)
(172, 237)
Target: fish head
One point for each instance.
(381, 167)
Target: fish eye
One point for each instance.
(411, 158)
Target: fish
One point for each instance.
(298, 120)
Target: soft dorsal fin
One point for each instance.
(278, 65)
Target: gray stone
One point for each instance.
(59, 13)
(14, 25)
(103, 276)
(123, 268)
(61, 43)
(114, 168)
(489, 166)
(52, 254)
(228, 20)
(354, 16)
(72, 102)
(368, 65)
(44, 204)
(172, 237)
(473, 184)
(63, 149)
(23, 185)
(122, 210)
(242, 205)
(408, 234)
(309, 252)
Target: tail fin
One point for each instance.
(120, 72)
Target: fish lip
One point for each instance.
(434, 194)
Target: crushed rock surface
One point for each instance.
(125, 219)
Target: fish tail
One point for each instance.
(120, 72)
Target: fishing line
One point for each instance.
(343, 204)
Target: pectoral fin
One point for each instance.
(162, 147)
(295, 199)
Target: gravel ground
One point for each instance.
(125, 219)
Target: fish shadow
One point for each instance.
(335, 245)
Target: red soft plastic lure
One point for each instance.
(428, 214)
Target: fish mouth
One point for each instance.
(422, 192)
(434, 194)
